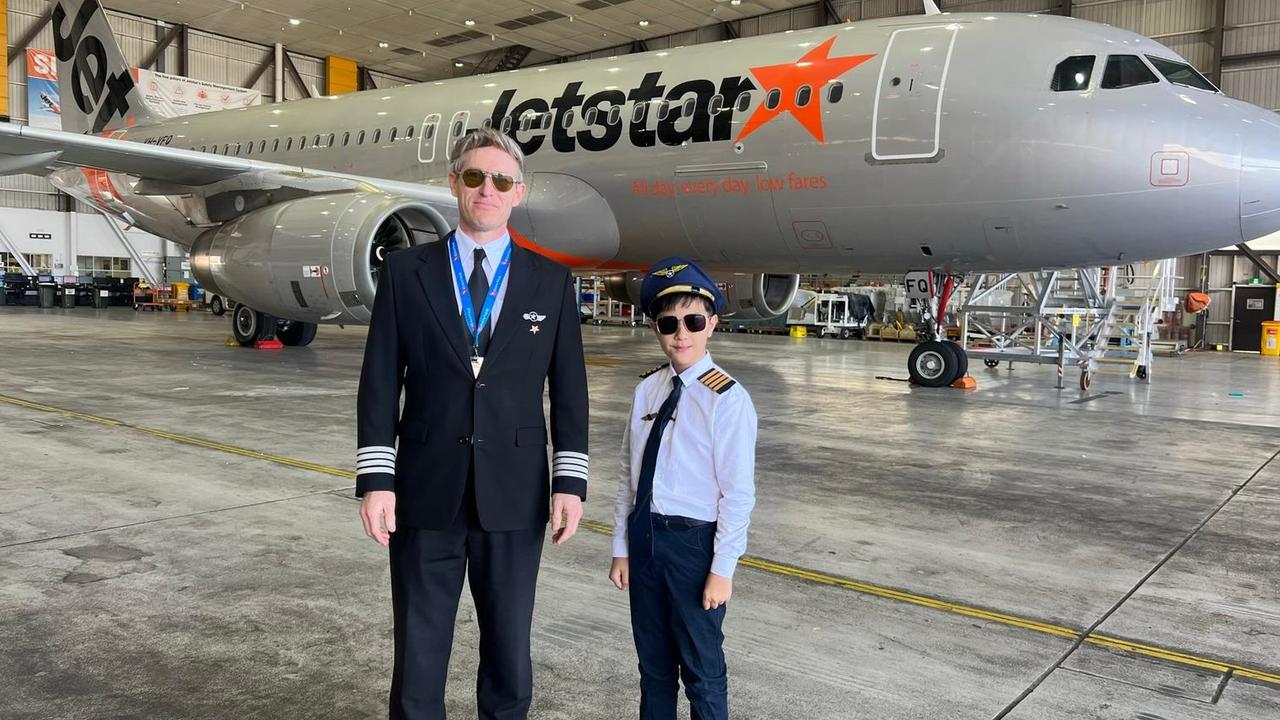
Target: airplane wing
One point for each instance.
(168, 170)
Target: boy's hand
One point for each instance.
(620, 573)
(717, 591)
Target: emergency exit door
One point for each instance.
(1251, 305)
(907, 120)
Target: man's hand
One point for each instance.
(378, 513)
(620, 573)
(716, 592)
(566, 511)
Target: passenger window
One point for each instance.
(773, 98)
(238, 148)
(262, 146)
(546, 124)
(329, 140)
(275, 145)
(1180, 73)
(664, 109)
(566, 120)
(315, 141)
(346, 139)
(1126, 71)
(360, 138)
(288, 144)
(743, 102)
(377, 136)
(802, 95)
(690, 104)
(202, 148)
(392, 136)
(637, 112)
(250, 149)
(505, 127)
(1073, 74)
(589, 116)
(429, 133)
(615, 115)
(486, 123)
(458, 127)
(302, 142)
(408, 131)
(526, 121)
(835, 91)
(716, 105)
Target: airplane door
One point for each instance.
(457, 128)
(427, 138)
(728, 213)
(908, 110)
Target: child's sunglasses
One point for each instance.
(474, 178)
(693, 322)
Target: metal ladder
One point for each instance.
(1140, 294)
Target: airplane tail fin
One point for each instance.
(97, 87)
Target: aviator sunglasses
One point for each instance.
(474, 178)
(693, 322)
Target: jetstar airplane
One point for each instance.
(947, 143)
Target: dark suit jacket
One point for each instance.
(418, 343)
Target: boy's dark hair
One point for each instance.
(667, 303)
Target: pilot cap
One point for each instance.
(677, 275)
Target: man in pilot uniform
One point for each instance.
(470, 329)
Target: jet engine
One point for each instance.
(314, 259)
(758, 296)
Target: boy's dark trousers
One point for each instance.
(675, 638)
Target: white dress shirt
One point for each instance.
(492, 256)
(706, 462)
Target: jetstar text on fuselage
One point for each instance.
(687, 117)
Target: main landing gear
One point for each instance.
(937, 362)
(252, 328)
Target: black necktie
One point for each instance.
(478, 287)
(640, 523)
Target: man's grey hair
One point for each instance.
(482, 138)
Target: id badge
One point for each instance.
(476, 363)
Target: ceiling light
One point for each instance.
(735, 2)
(295, 21)
(644, 23)
(468, 23)
(383, 45)
(458, 64)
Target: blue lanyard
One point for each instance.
(468, 310)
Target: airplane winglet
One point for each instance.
(931, 8)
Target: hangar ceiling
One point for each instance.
(422, 40)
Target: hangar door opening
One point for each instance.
(908, 113)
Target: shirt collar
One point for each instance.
(690, 376)
(492, 250)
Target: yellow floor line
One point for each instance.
(761, 564)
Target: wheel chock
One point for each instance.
(968, 382)
(233, 342)
(271, 344)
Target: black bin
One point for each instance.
(48, 293)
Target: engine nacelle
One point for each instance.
(758, 296)
(315, 259)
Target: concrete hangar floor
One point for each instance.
(178, 537)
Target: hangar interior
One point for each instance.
(179, 537)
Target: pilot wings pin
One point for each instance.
(534, 318)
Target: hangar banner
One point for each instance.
(168, 95)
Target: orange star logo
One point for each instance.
(814, 70)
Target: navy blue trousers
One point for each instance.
(675, 638)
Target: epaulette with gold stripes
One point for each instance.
(650, 372)
(717, 380)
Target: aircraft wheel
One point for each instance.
(295, 333)
(993, 364)
(248, 325)
(216, 305)
(962, 361)
(1086, 379)
(934, 363)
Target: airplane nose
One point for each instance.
(1260, 181)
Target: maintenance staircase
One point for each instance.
(1102, 320)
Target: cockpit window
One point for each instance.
(1073, 74)
(1180, 73)
(1126, 71)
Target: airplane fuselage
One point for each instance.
(904, 143)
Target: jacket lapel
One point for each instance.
(437, 282)
(522, 287)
